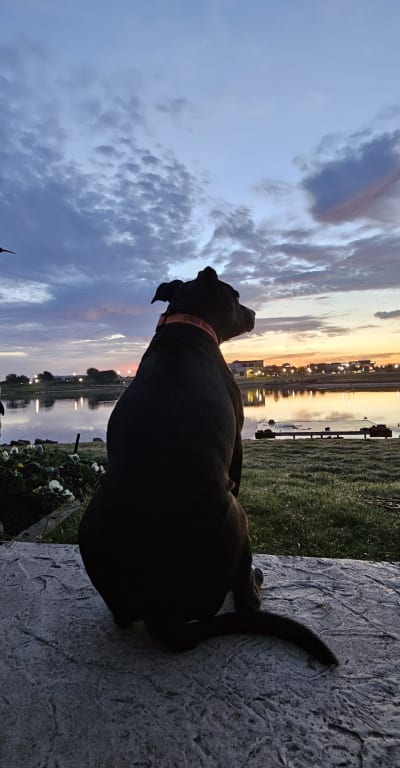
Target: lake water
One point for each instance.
(333, 408)
(62, 419)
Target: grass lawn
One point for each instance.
(321, 498)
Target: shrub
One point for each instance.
(36, 480)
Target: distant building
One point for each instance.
(325, 367)
(272, 370)
(247, 368)
(362, 365)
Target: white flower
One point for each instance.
(68, 495)
(95, 466)
(5, 455)
(74, 456)
(54, 485)
(14, 449)
(102, 470)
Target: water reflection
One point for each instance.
(258, 397)
(98, 400)
(47, 402)
(14, 404)
(62, 419)
(56, 419)
(290, 405)
(253, 397)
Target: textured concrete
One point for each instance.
(77, 692)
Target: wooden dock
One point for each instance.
(378, 430)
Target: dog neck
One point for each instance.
(188, 320)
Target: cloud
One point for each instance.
(97, 211)
(388, 315)
(270, 264)
(274, 188)
(174, 107)
(97, 221)
(23, 292)
(362, 180)
(100, 211)
(113, 337)
(302, 325)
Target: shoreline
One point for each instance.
(30, 392)
(323, 385)
(25, 392)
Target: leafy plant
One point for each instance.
(37, 480)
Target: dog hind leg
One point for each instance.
(247, 583)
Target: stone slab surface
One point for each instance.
(77, 692)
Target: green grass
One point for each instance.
(67, 532)
(322, 498)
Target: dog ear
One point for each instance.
(209, 274)
(167, 291)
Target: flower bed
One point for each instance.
(37, 480)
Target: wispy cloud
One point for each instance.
(301, 325)
(388, 315)
(270, 265)
(113, 337)
(24, 292)
(361, 180)
(174, 107)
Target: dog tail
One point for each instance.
(185, 636)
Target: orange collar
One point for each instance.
(189, 320)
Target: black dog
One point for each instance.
(164, 538)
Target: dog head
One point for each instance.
(210, 299)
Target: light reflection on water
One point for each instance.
(59, 419)
(62, 419)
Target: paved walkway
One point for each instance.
(76, 692)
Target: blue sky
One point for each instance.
(141, 141)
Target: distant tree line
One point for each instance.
(102, 377)
(93, 376)
(12, 378)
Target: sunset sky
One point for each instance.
(141, 141)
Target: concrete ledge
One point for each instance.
(76, 692)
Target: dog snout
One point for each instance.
(250, 318)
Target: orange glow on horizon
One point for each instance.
(303, 358)
(298, 359)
